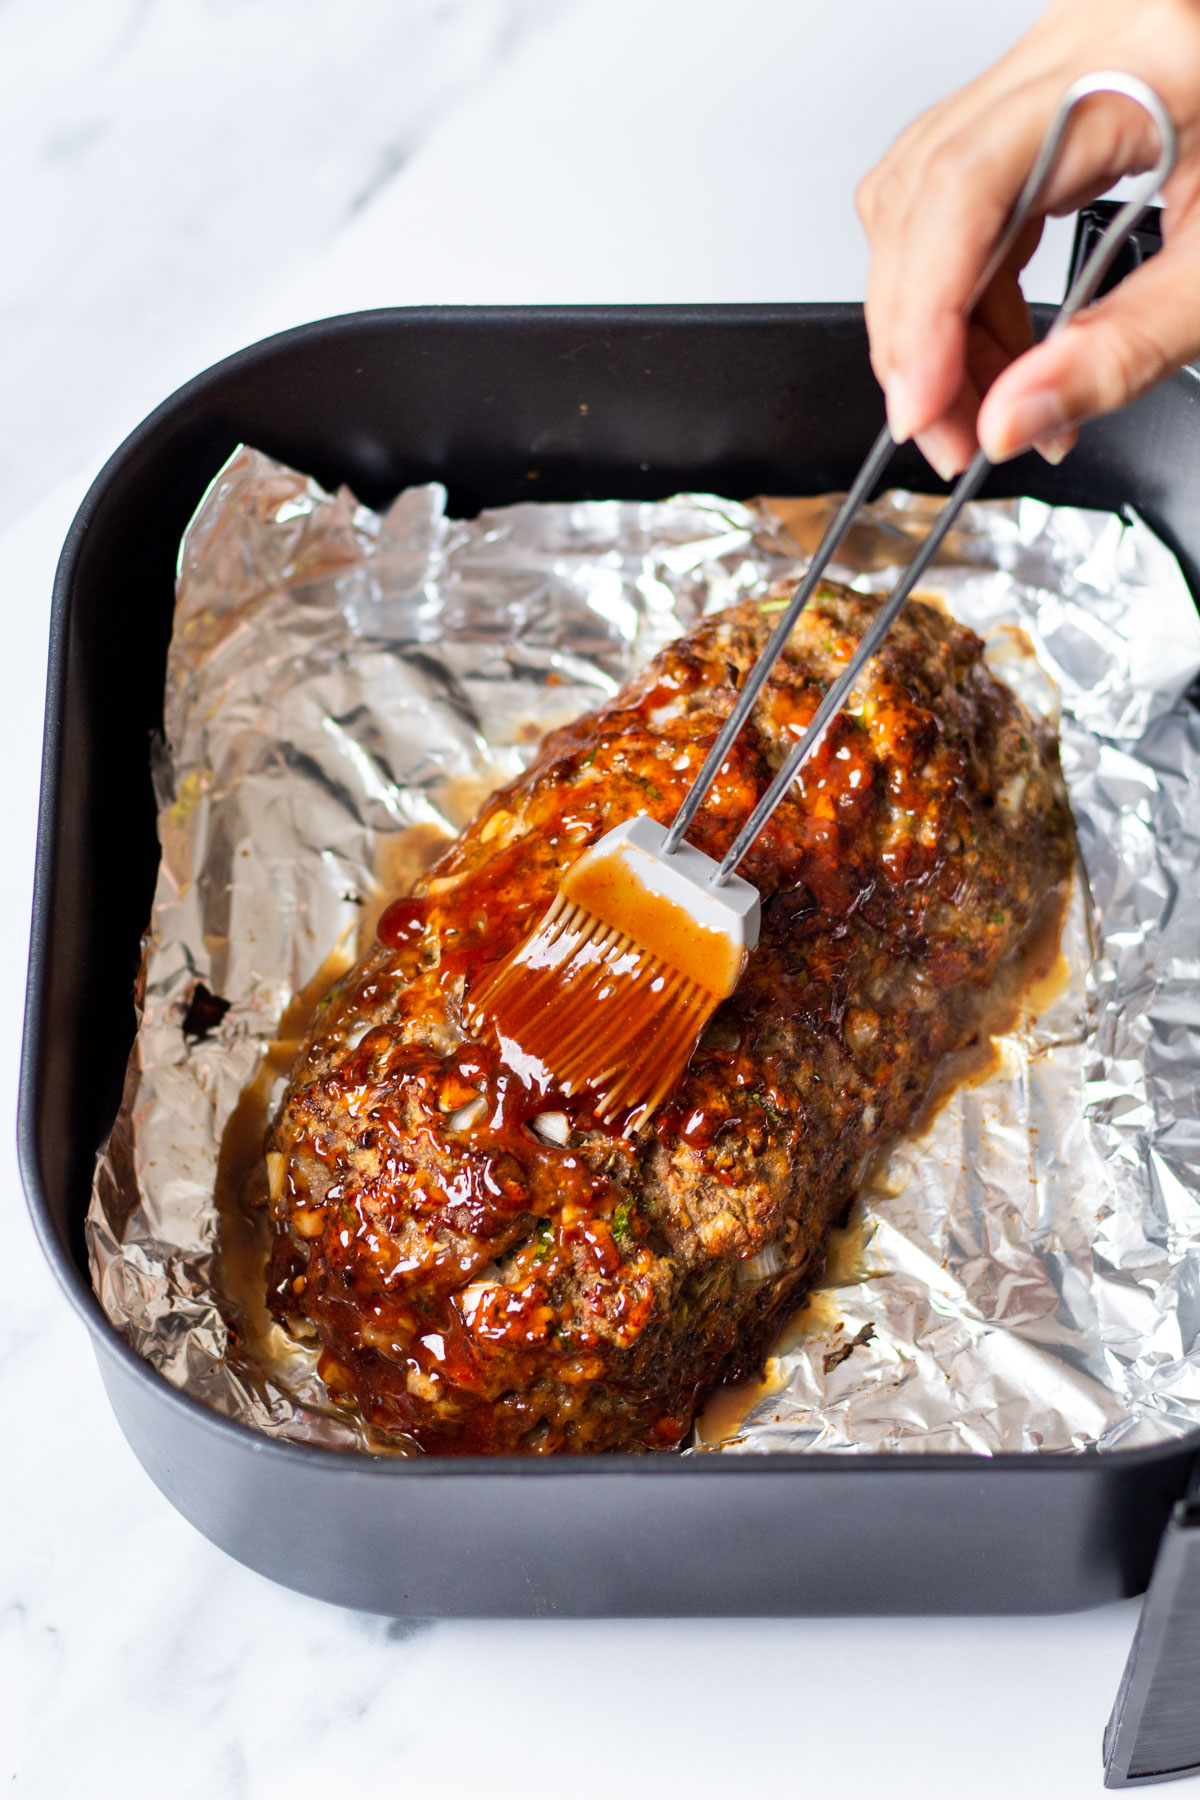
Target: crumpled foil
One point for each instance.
(342, 690)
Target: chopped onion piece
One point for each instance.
(768, 1262)
(464, 1117)
(555, 1127)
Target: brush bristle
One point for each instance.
(597, 1012)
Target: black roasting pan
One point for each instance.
(503, 405)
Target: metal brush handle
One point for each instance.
(1082, 292)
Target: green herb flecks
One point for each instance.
(622, 1223)
(543, 1242)
(772, 1111)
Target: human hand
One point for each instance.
(936, 204)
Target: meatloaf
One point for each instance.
(488, 1268)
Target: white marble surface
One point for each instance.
(178, 177)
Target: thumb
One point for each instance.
(1111, 354)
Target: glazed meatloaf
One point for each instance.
(490, 1269)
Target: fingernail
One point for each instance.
(1029, 419)
(941, 458)
(902, 411)
(1054, 449)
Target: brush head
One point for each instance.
(611, 992)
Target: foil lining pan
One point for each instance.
(343, 688)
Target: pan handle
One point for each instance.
(1142, 241)
(1154, 1732)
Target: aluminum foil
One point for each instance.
(343, 688)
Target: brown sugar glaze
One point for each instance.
(488, 1267)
